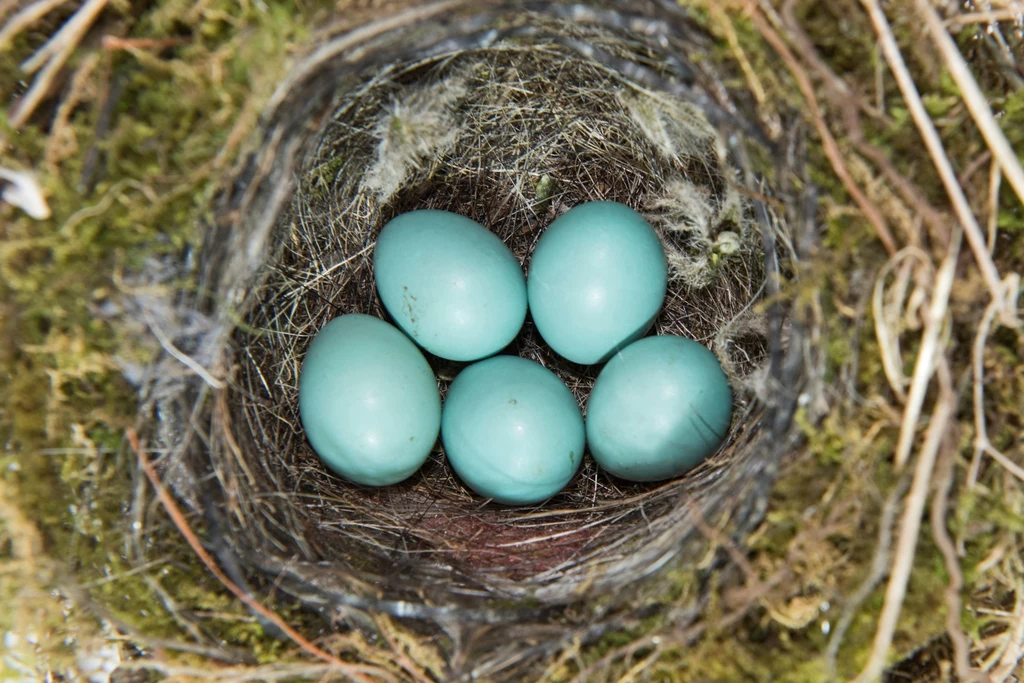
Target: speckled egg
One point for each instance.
(450, 284)
(659, 407)
(512, 431)
(597, 281)
(368, 400)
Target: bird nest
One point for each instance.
(509, 115)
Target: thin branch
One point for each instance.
(982, 445)
(415, 672)
(989, 17)
(180, 355)
(879, 569)
(933, 142)
(234, 674)
(828, 142)
(910, 527)
(52, 56)
(888, 342)
(1014, 652)
(995, 178)
(924, 367)
(954, 628)
(27, 17)
(849, 103)
(974, 98)
(230, 655)
(114, 43)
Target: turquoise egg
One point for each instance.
(659, 407)
(512, 431)
(368, 400)
(450, 283)
(597, 281)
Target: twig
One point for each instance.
(924, 366)
(641, 666)
(721, 540)
(982, 445)
(910, 527)
(114, 43)
(680, 637)
(954, 629)
(1015, 642)
(722, 18)
(879, 568)
(995, 177)
(180, 355)
(354, 672)
(230, 655)
(829, 144)
(978, 369)
(27, 17)
(933, 142)
(888, 344)
(755, 589)
(976, 101)
(624, 652)
(850, 103)
(172, 608)
(52, 56)
(989, 17)
(60, 131)
(272, 672)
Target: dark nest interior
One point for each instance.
(515, 117)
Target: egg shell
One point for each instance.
(597, 281)
(450, 284)
(512, 431)
(368, 400)
(659, 407)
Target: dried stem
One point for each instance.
(982, 445)
(910, 526)
(933, 142)
(1014, 652)
(27, 17)
(235, 674)
(52, 56)
(939, 510)
(879, 569)
(977, 102)
(829, 144)
(888, 338)
(924, 366)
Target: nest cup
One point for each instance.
(509, 115)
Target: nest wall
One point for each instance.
(509, 114)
